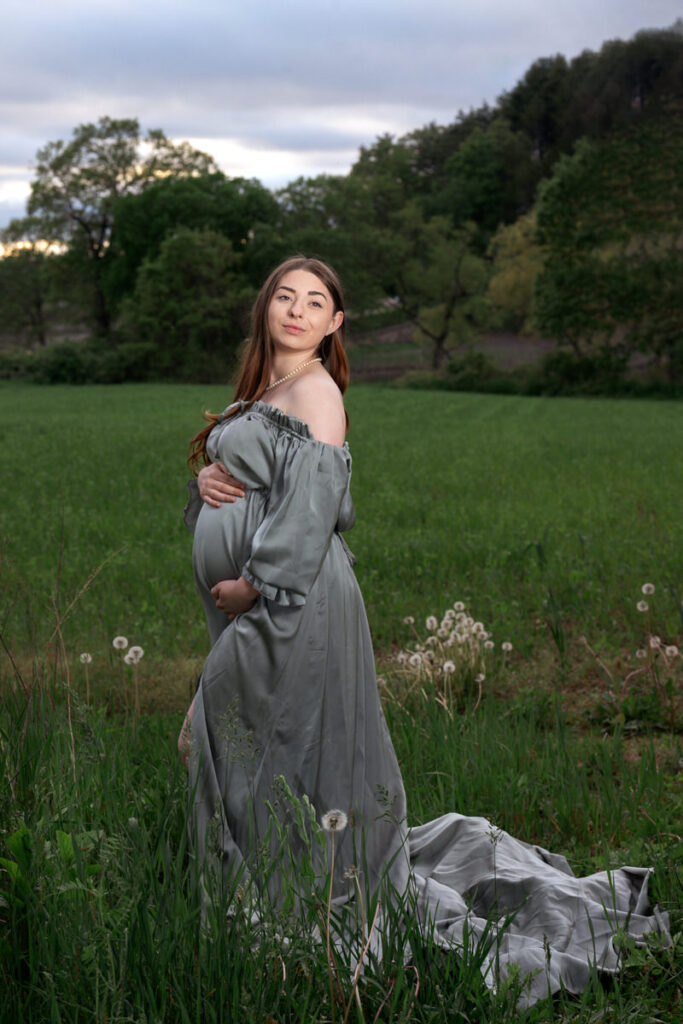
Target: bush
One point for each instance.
(72, 362)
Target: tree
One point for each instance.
(78, 182)
(491, 179)
(190, 306)
(439, 282)
(242, 210)
(516, 262)
(611, 219)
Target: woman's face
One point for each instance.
(301, 313)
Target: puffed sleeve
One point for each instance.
(307, 491)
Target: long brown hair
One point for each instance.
(257, 356)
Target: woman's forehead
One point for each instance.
(303, 281)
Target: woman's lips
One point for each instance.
(293, 329)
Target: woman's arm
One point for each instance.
(217, 485)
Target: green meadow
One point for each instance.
(545, 517)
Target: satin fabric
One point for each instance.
(289, 692)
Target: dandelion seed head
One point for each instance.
(648, 588)
(409, 620)
(478, 627)
(432, 623)
(448, 616)
(86, 658)
(506, 646)
(334, 821)
(641, 653)
(655, 642)
(459, 606)
(480, 678)
(442, 632)
(461, 617)
(448, 668)
(431, 640)
(671, 650)
(643, 606)
(489, 645)
(401, 657)
(415, 660)
(136, 653)
(120, 643)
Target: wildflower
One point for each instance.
(431, 640)
(671, 651)
(401, 657)
(641, 653)
(478, 627)
(120, 643)
(415, 660)
(506, 646)
(86, 658)
(409, 620)
(459, 606)
(334, 821)
(381, 681)
(442, 632)
(648, 588)
(432, 623)
(448, 616)
(480, 678)
(461, 617)
(655, 642)
(643, 606)
(135, 654)
(448, 668)
(489, 645)
(128, 660)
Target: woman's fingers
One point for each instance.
(217, 485)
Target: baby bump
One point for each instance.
(222, 539)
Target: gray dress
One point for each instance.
(288, 704)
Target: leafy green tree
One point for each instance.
(439, 281)
(190, 306)
(611, 219)
(491, 179)
(25, 282)
(78, 182)
(516, 261)
(242, 210)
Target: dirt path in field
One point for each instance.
(506, 351)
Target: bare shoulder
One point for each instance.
(317, 401)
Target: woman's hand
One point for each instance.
(234, 596)
(217, 484)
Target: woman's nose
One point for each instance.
(296, 307)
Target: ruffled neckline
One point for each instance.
(282, 420)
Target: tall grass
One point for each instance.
(101, 909)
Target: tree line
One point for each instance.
(557, 210)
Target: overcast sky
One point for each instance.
(274, 89)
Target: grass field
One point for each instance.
(544, 516)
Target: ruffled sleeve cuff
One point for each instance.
(193, 507)
(280, 595)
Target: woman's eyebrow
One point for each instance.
(286, 288)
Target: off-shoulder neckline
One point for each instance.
(284, 421)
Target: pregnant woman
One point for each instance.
(289, 693)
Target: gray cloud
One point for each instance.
(313, 78)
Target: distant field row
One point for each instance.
(538, 513)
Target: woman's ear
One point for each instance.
(336, 322)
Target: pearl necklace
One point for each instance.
(316, 359)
